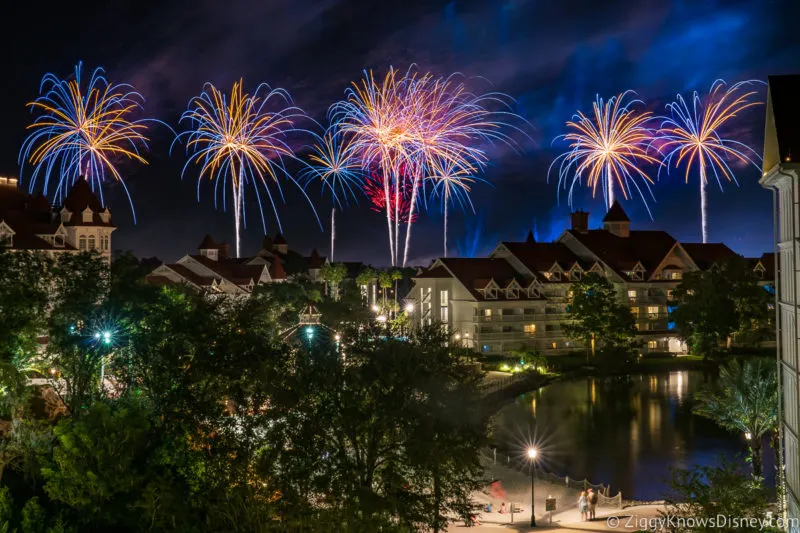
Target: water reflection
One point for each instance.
(626, 431)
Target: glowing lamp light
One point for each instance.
(409, 308)
(748, 435)
(97, 335)
(532, 453)
(458, 336)
(337, 337)
(107, 337)
(375, 308)
(309, 332)
(381, 318)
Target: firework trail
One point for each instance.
(83, 129)
(238, 139)
(607, 148)
(452, 184)
(332, 163)
(691, 136)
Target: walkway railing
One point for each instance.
(522, 466)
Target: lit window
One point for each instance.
(652, 311)
(632, 293)
(676, 275)
(554, 345)
(529, 328)
(652, 345)
(669, 294)
(635, 312)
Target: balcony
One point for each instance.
(508, 318)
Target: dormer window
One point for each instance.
(512, 294)
(490, 293)
(576, 273)
(6, 240)
(759, 271)
(553, 275)
(637, 273)
(58, 241)
(65, 215)
(87, 215)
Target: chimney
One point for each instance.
(580, 221)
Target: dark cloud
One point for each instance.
(552, 57)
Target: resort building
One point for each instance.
(780, 174)
(517, 297)
(213, 270)
(31, 223)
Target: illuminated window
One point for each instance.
(669, 294)
(652, 311)
(676, 275)
(529, 328)
(554, 345)
(652, 345)
(632, 294)
(635, 312)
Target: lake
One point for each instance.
(623, 431)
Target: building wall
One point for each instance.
(785, 187)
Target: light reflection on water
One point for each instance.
(626, 431)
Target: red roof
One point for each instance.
(540, 256)
(622, 253)
(705, 255)
(475, 273)
(232, 270)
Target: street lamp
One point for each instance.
(532, 453)
(409, 308)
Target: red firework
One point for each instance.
(374, 190)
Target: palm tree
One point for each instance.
(396, 276)
(364, 279)
(384, 282)
(744, 400)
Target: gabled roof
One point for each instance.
(622, 253)
(232, 270)
(208, 243)
(616, 213)
(474, 273)
(541, 256)
(437, 272)
(707, 254)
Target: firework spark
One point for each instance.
(607, 148)
(83, 129)
(239, 140)
(691, 136)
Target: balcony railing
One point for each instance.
(508, 318)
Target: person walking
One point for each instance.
(592, 497)
(583, 506)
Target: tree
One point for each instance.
(714, 304)
(364, 279)
(397, 275)
(333, 274)
(599, 319)
(384, 282)
(745, 401)
(703, 494)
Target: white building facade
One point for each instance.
(781, 170)
(517, 297)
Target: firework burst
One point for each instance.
(452, 184)
(607, 149)
(409, 124)
(238, 140)
(691, 136)
(83, 129)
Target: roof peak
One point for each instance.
(616, 213)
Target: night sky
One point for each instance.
(551, 56)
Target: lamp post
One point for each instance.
(532, 453)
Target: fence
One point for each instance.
(523, 466)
